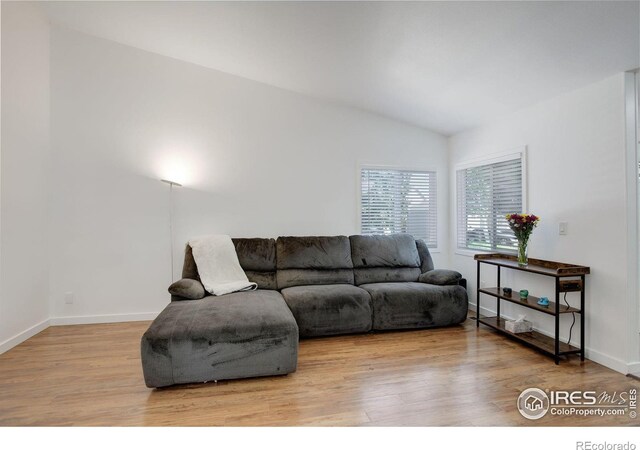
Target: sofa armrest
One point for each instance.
(187, 289)
(441, 277)
(426, 262)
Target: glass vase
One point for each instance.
(523, 258)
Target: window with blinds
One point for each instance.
(399, 201)
(485, 194)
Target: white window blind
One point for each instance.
(486, 193)
(399, 201)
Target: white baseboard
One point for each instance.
(634, 368)
(601, 358)
(106, 318)
(21, 337)
(73, 320)
(607, 361)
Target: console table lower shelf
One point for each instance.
(533, 339)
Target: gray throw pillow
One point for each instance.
(441, 277)
(188, 289)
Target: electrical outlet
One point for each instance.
(483, 284)
(68, 298)
(562, 228)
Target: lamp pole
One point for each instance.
(171, 185)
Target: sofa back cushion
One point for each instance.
(257, 257)
(384, 258)
(306, 260)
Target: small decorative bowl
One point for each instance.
(506, 291)
(544, 301)
(524, 294)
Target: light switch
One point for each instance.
(562, 228)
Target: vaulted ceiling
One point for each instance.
(446, 66)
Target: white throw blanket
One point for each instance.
(218, 265)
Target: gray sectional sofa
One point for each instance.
(307, 287)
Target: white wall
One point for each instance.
(255, 161)
(24, 260)
(576, 174)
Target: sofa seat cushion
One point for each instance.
(416, 305)
(239, 335)
(322, 310)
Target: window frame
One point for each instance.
(412, 168)
(519, 152)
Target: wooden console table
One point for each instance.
(568, 278)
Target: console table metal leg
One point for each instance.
(498, 298)
(478, 296)
(557, 319)
(582, 314)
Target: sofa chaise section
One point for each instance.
(199, 338)
(240, 335)
(315, 275)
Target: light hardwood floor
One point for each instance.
(91, 375)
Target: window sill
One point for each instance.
(468, 253)
(471, 253)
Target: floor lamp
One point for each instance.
(171, 185)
